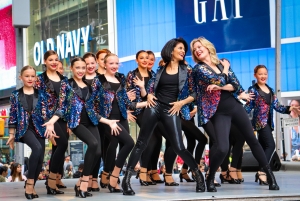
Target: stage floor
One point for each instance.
(288, 181)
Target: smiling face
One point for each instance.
(60, 68)
(78, 69)
(151, 60)
(179, 52)
(200, 52)
(100, 60)
(90, 65)
(52, 62)
(142, 60)
(28, 77)
(19, 169)
(261, 75)
(112, 64)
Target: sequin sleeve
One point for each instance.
(64, 97)
(278, 107)
(13, 120)
(191, 83)
(250, 104)
(129, 81)
(233, 80)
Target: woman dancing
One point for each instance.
(217, 105)
(171, 89)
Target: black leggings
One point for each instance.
(104, 145)
(37, 145)
(126, 145)
(58, 153)
(266, 140)
(89, 134)
(193, 133)
(151, 153)
(171, 123)
(237, 141)
(231, 111)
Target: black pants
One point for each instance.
(104, 146)
(89, 134)
(237, 141)
(126, 145)
(266, 140)
(37, 146)
(228, 112)
(150, 156)
(193, 133)
(58, 153)
(173, 126)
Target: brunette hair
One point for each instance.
(89, 54)
(61, 62)
(26, 68)
(49, 53)
(3, 169)
(14, 174)
(150, 52)
(76, 59)
(210, 47)
(166, 52)
(109, 55)
(106, 51)
(259, 67)
(139, 52)
(161, 62)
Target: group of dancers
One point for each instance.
(96, 105)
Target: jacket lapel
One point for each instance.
(48, 82)
(76, 88)
(261, 93)
(22, 99)
(35, 98)
(182, 70)
(158, 75)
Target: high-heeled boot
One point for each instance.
(127, 190)
(200, 186)
(271, 178)
(210, 182)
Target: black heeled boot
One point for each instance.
(200, 186)
(210, 183)
(271, 178)
(127, 190)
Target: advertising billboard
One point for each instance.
(7, 49)
(231, 25)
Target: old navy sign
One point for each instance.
(231, 25)
(67, 44)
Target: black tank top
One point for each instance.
(115, 112)
(56, 86)
(84, 118)
(167, 89)
(29, 100)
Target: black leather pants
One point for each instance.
(172, 125)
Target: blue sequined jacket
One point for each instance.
(50, 98)
(107, 96)
(263, 111)
(71, 105)
(131, 85)
(19, 115)
(186, 87)
(207, 103)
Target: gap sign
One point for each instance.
(231, 25)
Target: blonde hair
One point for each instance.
(26, 68)
(109, 55)
(207, 44)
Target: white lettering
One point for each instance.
(42, 51)
(60, 40)
(237, 9)
(203, 11)
(85, 35)
(223, 10)
(69, 45)
(76, 41)
(37, 54)
(50, 44)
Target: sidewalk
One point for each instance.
(288, 181)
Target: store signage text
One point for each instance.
(67, 44)
(223, 10)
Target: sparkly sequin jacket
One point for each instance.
(207, 103)
(50, 98)
(261, 110)
(107, 96)
(71, 106)
(19, 115)
(131, 85)
(186, 87)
